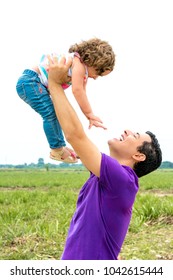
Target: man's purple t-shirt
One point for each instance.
(104, 207)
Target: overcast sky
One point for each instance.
(136, 95)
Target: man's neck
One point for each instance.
(125, 162)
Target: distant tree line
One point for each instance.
(41, 164)
(166, 164)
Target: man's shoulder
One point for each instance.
(106, 159)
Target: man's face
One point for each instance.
(126, 146)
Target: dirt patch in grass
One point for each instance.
(18, 188)
(31, 246)
(168, 220)
(153, 242)
(159, 193)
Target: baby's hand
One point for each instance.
(91, 116)
(96, 123)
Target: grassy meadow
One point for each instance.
(36, 208)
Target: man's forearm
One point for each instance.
(65, 113)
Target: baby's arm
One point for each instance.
(79, 86)
(79, 91)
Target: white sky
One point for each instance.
(136, 95)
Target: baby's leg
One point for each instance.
(37, 96)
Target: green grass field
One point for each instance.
(36, 209)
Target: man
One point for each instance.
(104, 207)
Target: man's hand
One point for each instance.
(58, 70)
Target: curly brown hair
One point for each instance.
(95, 53)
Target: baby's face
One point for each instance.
(92, 73)
(105, 73)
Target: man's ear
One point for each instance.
(139, 157)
